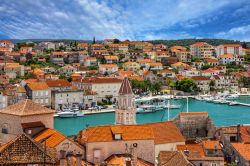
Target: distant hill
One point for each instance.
(181, 42)
(188, 42)
(47, 40)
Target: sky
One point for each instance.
(125, 19)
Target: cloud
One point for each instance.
(126, 19)
(237, 33)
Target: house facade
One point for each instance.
(39, 92)
(202, 50)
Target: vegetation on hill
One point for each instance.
(188, 42)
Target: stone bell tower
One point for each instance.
(126, 112)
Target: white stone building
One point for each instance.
(108, 68)
(106, 88)
(3, 100)
(39, 92)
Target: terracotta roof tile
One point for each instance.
(25, 108)
(211, 144)
(38, 86)
(161, 133)
(195, 150)
(58, 83)
(198, 44)
(112, 57)
(52, 137)
(226, 56)
(101, 80)
(173, 158)
(242, 149)
(193, 113)
(166, 132)
(120, 159)
(142, 60)
(108, 66)
(104, 133)
(200, 78)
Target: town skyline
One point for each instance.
(133, 20)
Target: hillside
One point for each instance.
(188, 42)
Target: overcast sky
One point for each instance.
(125, 19)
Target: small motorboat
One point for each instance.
(233, 103)
(173, 106)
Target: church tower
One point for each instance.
(126, 112)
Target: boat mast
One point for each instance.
(187, 104)
(168, 107)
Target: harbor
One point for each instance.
(221, 114)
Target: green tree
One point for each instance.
(206, 66)
(211, 85)
(62, 76)
(244, 81)
(186, 85)
(156, 87)
(247, 58)
(93, 67)
(116, 41)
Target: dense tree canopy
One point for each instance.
(188, 42)
(186, 85)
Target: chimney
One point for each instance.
(63, 158)
(238, 133)
(134, 154)
(78, 159)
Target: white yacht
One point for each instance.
(232, 96)
(68, 113)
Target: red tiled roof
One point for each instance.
(58, 83)
(211, 144)
(231, 45)
(108, 66)
(242, 149)
(25, 108)
(161, 133)
(52, 137)
(38, 86)
(165, 132)
(198, 44)
(100, 80)
(193, 113)
(200, 78)
(245, 134)
(173, 158)
(226, 56)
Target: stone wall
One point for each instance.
(193, 126)
(208, 163)
(13, 124)
(144, 150)
(46, 119)
(69, 147)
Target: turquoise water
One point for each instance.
(221, 114)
